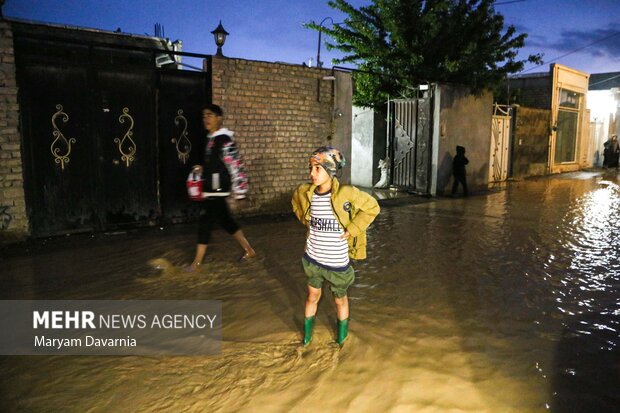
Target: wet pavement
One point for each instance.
(501, 302)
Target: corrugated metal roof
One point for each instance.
(604, 81)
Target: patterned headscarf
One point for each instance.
(329, 158)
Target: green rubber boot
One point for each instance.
(308, 329)
(343, 331)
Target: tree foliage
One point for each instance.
(399, 44)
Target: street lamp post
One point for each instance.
(219, 34)
(318, 52)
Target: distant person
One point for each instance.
(223, 173)
(615, 150)
(458, 170)
(607, 153)
(611, 152)
(337, 217)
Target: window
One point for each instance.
(566, 137)
(570, 99)
(567, 126)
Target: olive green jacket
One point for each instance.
(354, 209)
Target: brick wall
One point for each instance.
(533, 91)
(13, 220)
(278, 117)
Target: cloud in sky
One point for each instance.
(600, 42)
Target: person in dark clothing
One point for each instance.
(611, 153)
(615, 159)
(458, 170)
(223, 174)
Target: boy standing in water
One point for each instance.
(337, 217)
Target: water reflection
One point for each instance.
(587, 356)
(506, 302)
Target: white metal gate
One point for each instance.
(500, 143)
(410, 136)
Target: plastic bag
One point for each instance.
(194, 186)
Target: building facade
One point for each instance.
(563, 92)
(419, 136)
(604, 105)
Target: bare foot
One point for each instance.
(247, 256)
(193, 267)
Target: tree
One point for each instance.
(400, 44)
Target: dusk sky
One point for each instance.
(271, 30)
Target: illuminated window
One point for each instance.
(570, 99)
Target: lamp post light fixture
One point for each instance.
(319, 64)
(219, 34)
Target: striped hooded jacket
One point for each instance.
(222, 156)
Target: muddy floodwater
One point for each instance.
(502, 302)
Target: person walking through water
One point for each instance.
(337, 217)
(458, 170)
(223, 173)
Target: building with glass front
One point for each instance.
(561, 92)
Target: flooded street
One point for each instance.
(503, 302)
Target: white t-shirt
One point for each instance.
(324, 247)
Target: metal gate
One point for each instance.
(181, 138)
(108, 138)
(500, 143)
(410, 137)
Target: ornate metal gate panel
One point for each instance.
(500, 143)
(126, 145)
(181, 137)
(410, 140)
(57, 152)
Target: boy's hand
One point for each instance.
(346, 235)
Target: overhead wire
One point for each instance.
(509, 2)
(573, 51)
(604, 80)
(565, 54)
(555, 58)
